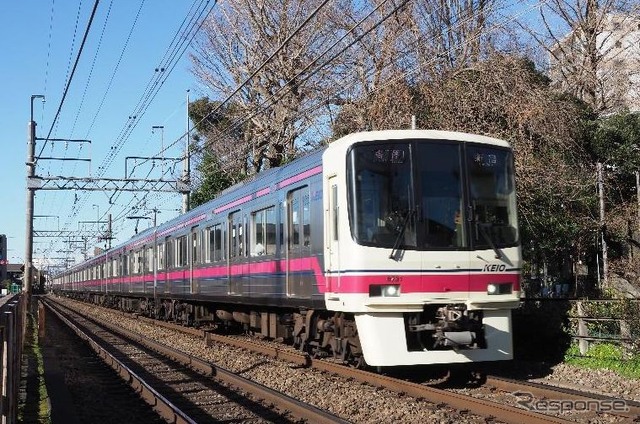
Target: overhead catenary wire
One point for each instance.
(173, 54)
(68, 84)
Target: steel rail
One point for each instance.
(161, 405)
(283, 402)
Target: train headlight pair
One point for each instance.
(499, 288)
(384, 290)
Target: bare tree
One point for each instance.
(265, 48)
(593, 51)
(451, 34)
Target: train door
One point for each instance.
(235, 252)
(298, 263)
(332, 235)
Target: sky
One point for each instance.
(105, 104)
(114, 100)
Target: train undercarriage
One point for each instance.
(320, 333)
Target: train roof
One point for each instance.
(418, 134)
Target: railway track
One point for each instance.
(182, 388)
(489, 409)
(574, 404)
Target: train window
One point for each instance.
(125, 265)
(492, 197)
(281, 226)
(334, 206)
(160, 257)
(149, 258)
(236, 235)
(195, 245)
(181, 251)
(214, 240)
(170, 253)
(264, 228)
(306, 220)
(206, 245)
(298, 218)
(382, 210)
(137, 262)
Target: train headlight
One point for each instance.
(384, 290)
(499, 288)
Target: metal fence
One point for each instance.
(12, 325)
(615, 321)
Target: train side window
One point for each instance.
(206, 245)
(246, 241)
(133, 262)
(149, 259)
(125, 265)
(299, 218)
(306, 220)
(236, 235)
(214, 240)
(160, 255)
(195, 244)
(264, 230)
(334, 206)
(281, 225)
(169, 253)
(293, 221)
(181, 251)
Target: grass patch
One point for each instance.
(605, 356)
(35, 406)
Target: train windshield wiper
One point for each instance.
(488, 239)
(401, 231)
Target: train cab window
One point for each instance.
(492, 197)
(440, 188)
(264, 230)
(381, 193)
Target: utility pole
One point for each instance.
(186, 169)
(31, 172)
(603, 242)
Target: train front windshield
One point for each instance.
(432, 195)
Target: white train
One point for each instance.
(388, 247)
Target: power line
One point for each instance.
(75, 65)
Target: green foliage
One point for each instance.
(605, 356)
(214, 180)
(615, 141)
